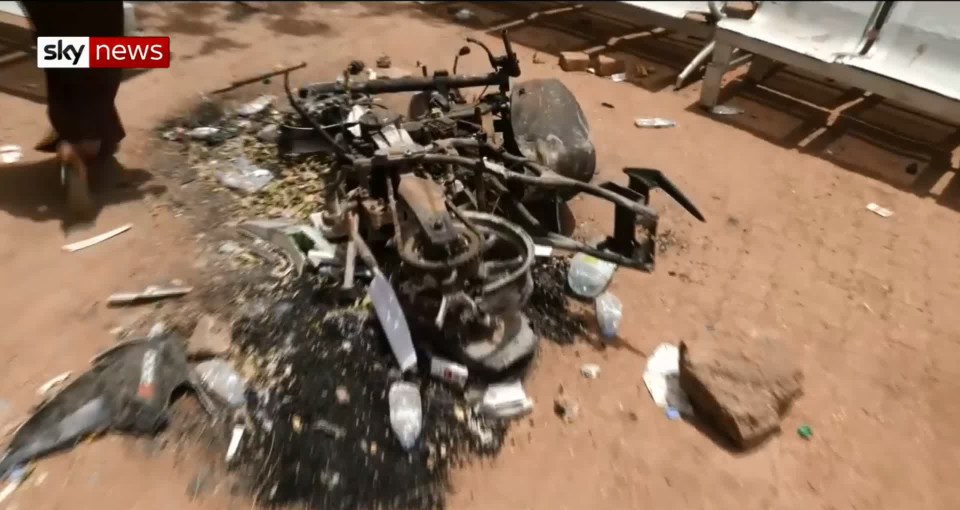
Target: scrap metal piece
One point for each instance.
(151, 293)
(386, 306)
(426, 200)
(549, 127)
(79, 245)
(127, 389)
(300, 243)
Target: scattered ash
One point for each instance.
(322, 434)
(549, 306)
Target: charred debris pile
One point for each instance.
(424, 256)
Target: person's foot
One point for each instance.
(74, 160)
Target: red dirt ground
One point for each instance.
(788, 250)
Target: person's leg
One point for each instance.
(80, 102)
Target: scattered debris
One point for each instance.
(261, 77)
(55, 381)
(589, 276)
(151, 293)
(203, 133)
(10, 154)
(743, 392)
(80, 245)
(571, 61)
(256, 106)
(200, 485)
(722, 109)
(609, 312)
(604, 65)
(543, 251)
(537, 59)
(16, 478)
(653, 122)
(805, 432)
(607, 105)
(235, 437)
(384, 62)
(505, 400)
(618, 77)
(219, 377)
(334, 430)
(453, 373)
(566, 408)
(590, 370)
(356, 66)
(245, 177)
(878, 210)
(128, 389)
(343, 396)
(464, 15)
(406, 413)
(662, 379)
(211, 337)
(269, 134)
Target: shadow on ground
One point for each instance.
(33, 190)
(850, 128)
(653, 60)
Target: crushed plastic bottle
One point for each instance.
(406, 413)
(245, 177)
(589, 276)
(219, 377)
(609, 311)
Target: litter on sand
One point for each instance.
(879, 211)
(80, 245)
(10, 154)
(53, 383)
(619, 77)
(151, 293)
(507, 400)
(235, 438)
(590, 370)
(17, 477)
(653, 122)
(662, 379)
(722, 109)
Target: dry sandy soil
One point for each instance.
(788, 250)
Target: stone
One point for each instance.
(574, 61)
(743, 392)
(606, 66)
(566, 408)
(211, 337)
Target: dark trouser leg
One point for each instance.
(80, 102)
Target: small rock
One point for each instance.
(537, 59)
(464, 15)
(607, 66)
(743, 393)
(355, 66)
(574, 61)
(384, 62)
(566, 408)
(211, 337)
(590, 370)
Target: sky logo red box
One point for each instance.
(103, 52)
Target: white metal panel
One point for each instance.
(677, 10)
(919, 44)
(822, 30)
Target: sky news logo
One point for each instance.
(103, 52)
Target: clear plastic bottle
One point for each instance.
(406, 413)
(589, 276)
(609, 311)
(220, 378)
